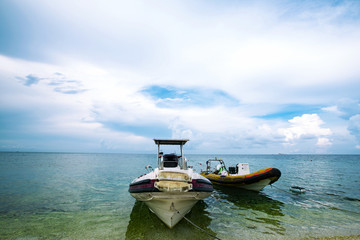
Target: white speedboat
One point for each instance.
(171, 189)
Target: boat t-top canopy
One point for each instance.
(180, 142)
(170, 141)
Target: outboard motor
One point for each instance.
(232, 170)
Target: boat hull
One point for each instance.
(254, 181)
(170, 207)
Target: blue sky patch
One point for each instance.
(141, 130)
(29, 80)
(169, 96)
(59, 81)
(292, 110)
(69, 90)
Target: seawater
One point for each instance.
(85, 196)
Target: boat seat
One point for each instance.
(170, 160)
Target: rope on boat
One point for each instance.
(326, 205)
(203, 230)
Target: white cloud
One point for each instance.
(242, 48)
(308, 126)
(262, 55)
(118, 100)
(332, 109)
(323, 142)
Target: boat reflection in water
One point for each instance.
(248, 209)
(144, 224)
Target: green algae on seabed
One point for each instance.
(60, 225)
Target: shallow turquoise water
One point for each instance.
(85, 196)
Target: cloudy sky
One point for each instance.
(231, 76)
